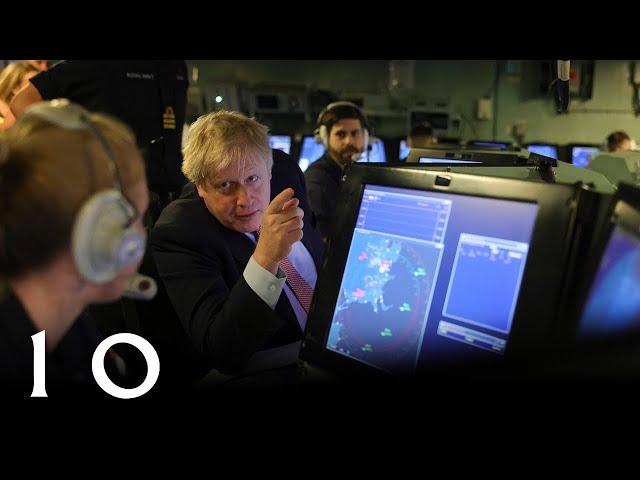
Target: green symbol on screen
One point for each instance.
(386, 333)
(405, 307)
(367, 348)
(420, 273)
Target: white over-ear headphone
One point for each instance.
(321, 132)
(102, 240)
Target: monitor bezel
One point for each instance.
(543, 277)
(494, 158)
(624, 211)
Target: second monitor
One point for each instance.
(581, 154)
(280, 142)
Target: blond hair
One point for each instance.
(12, 76)
(218, 140)
(46, 174)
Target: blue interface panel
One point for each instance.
(428, 276)
(502, 146)
(404, 150)
(486, 276)
(280, 142)
(581, 156)
(376, 153)
(546, 150)
(613, 304)
(309, 152)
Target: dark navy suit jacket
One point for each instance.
(201, 263)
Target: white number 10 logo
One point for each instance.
(97, 365)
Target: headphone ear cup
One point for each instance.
(101, 244)
(322, 136)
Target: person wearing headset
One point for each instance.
(344, 131)
(72, 196)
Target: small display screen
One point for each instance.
(280, 142)
(546, 150)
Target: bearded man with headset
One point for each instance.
(344, 131)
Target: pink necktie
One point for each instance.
(298, 285)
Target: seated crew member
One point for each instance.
(344, 131)
(235, 297)
(421, 136)
(619, 141)
(63, 245)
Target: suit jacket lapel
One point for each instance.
(240, 245)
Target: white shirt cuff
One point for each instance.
(267, 286)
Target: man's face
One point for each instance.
(346, 139)
(238, 196)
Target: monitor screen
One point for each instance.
(309, 152)
(581, 156)
(613, 303)
(404, 150)
(430, 275)
(478, 143)
(281, 142)
(376, 153)
(546, 150)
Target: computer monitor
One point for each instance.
(309, 152)
(489, 144)
(376, 153)
(425, 267)
(612, 307)
(581, 155)
(546, 149)
(520, 164)
(443, 144)
(281, 142)
(469, 157)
